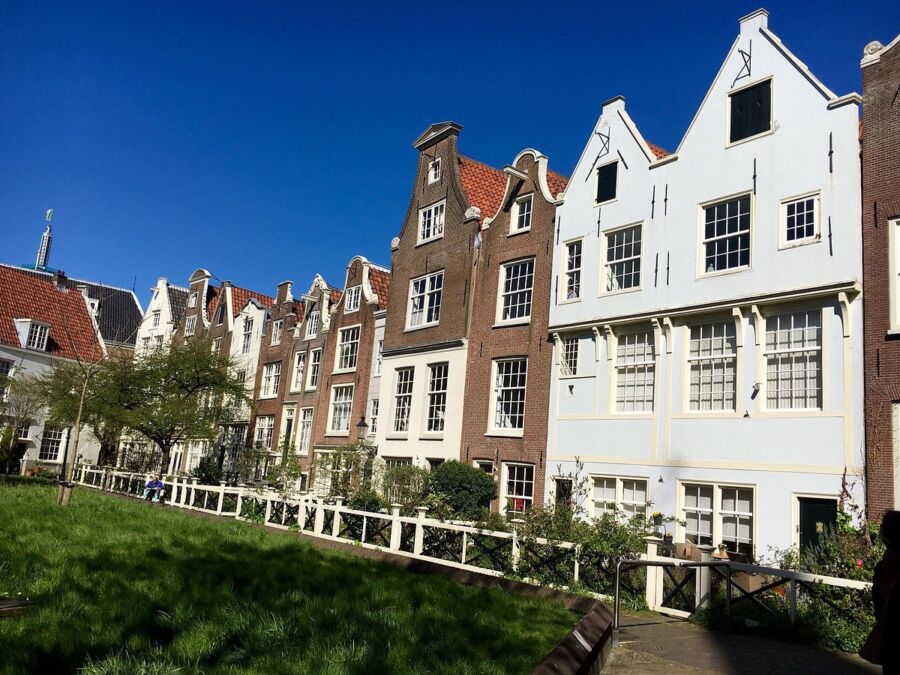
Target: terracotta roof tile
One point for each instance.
(26, 296)
(484, 185)
(557, 182)
(380, 281)
(212, 301)
(335, 296)
(658, 151)
(240, 297)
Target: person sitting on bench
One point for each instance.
(154, 489)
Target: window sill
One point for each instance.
(803, 242)
(722, 273)
(267, 397)
(431, 437)
(343, 371)
(524, 230)
(499, 433)
(310, 337)
(893, 332)
(608, 201)
(397, 437)
(569, 301)
(516, 322)
(311, 388)
(343, 434)
(428, 241)
(410, 329)
(621, 291)
(762, 134)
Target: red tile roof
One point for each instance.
(335, 296)
(212, 301)
(380, 281)
(240, 297)
(26, 296)
(484, 185)
(557, 182)
(658, 151)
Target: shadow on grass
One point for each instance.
(124, 587)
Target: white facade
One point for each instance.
(374, 412)
(694, 388)
(412, 440)
(159, 322)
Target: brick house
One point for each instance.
(347, 358)
(505, 430)
(429, 302)
(881, 246)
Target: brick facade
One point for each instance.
(881, 204)
(489, 339)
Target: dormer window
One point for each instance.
(351, 301)
(607, 179)
(312, 324)
(751, 111)
(220, 315)
(277, 328)
(192, 300)
(521, 215)
(434, 170)
(431, 222)
(37, 336)
(190, 325)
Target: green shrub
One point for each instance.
(207, 472)
(406, 485)
(466, 490)
(367, 500)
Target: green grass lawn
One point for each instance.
(126, 587)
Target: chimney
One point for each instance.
(59, 280)
(284, 292)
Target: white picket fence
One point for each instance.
(464, 546)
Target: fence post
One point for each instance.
(702, 582)
(793, 601)
(396, 527)
(221, 497)
(419, 542)
(576, 574)
(336, 522)
(240, 501)
(194, 482)
(516, 554)
(653, 594)
(104, 479)
(319, 520)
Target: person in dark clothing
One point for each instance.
(154, 489)
(883, 646)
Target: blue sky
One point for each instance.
(270, 141)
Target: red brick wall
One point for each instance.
(881, 203)
(487, 342)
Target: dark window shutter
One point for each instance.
(751, 111)
(606, 182)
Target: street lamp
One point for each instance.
(361, 427)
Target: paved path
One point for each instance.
(654, 645)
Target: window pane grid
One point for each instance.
(523, 213)
(431, 222)
(623, 259)
(348, 349)
(437, 397)
(351, 304)
(635, 371)
(314, 359)
(340, 408)
(794, 360)
(698, 514)
(519, 487)
(569, 363)
(737, 519)
(425, 299)
(312, 324)
(726, 239)
(801, 219)
(51, 441)
(573, 270)
(509, 394)
(305, 429)
(518, 281)
(403, 399)
(713, 362)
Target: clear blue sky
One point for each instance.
(269, 141)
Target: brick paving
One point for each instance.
(659, 645)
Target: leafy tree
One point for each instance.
(406, 485)
(350, 468)
(466, 489)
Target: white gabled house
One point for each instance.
(162, 316)
(707, 315)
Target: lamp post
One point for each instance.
(361, 428)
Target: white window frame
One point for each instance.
(215, 347)
(351, 300)
(304, 430)
(504, 294)
(894, 268)
(346, 404)
(271, 380)
(312, 324)
(597, 173)
(192, 300)
(703, 241)
(38, 335)
(627, 508)
(190, 325)
(572, 271)
(288, 414)
(529, 499)
(569, 348)
(51, 438)
(707, 362)
(299, 371)
(496, 393)
(436, 403)
(606, 268)
(522, 214)
(156, 318)
(315, 364)
(486, 465)
(374, 404)
(403, 391)
(717, 512)
(264, 434)
(816, 237)
(769, 353)
(379, 348)
(426, 294)
(435, 217)
(6, 371)
(277, 328)
(346, 355)
(248, 335)
(618, 368)
(434, 170)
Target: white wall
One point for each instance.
(777, 452)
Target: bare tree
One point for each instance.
(22, 402)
